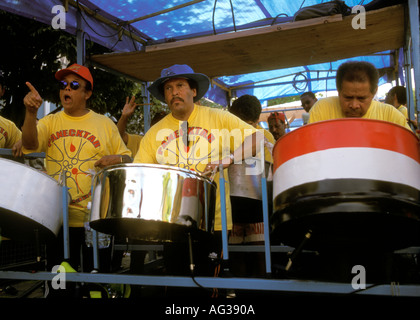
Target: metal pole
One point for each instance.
(94, 237)
(95, 250)
(265, 213)
(146, 109)
(80, 41)
(223, 213)
(413, 8)
(65, 216)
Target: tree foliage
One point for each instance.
(277, 101)
(31, 52)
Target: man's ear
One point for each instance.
(88, 94)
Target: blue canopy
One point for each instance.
(138, 26)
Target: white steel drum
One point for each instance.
(352, 182)
(152, 202)
(30, 203)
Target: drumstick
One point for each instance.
(212, 172)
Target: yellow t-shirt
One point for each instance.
(211, 132)
(74, 144)
(329, 108)
(133, 143)
(269, 138)
(403, 110)
(9, 133)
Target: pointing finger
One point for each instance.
(32, 88)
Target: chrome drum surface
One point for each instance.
(246, 190)
(152, 202)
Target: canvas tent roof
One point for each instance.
(245, 46)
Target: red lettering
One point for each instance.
(74, 133)
(203, 133)
(91, 138)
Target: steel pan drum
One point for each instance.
(352, 182)
(152, 203)
(246, 190)
(30, 202)
(245, 178)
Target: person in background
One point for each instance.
(77, 143)
(132, 141)
(277, 124)
(397, 97)
(248, 223)
(9, 132)
(307, 99)
(357, 84)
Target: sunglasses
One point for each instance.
(73, 85)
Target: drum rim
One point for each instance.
(154, 166)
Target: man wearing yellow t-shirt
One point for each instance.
(357, 84)
(199, 149)
(76, 141)
(9, 132)
(397, 97)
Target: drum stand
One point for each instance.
(65, 215)
(298, 250)
(277, 285)
(222, 191)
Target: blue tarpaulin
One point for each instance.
(133, 25)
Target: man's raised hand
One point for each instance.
(32, 100)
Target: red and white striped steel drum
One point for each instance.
(353, 182)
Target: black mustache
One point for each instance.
(176, 98)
